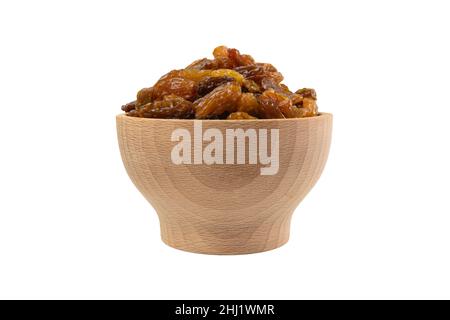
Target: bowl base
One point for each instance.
(228, 252)
(266, 237)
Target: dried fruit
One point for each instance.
(144, 96)
(259, 71)
(270, 83)
(227, 73)
(171, 106)
(230, 86)
(240, 116)
(269, 105)
(208, 84)
(222, 100)
(129, 106)
(309, 108)
(307, 93)
(248, 103)
(231, 58)
(251, 86)
(277, 105)
(202, 64)
(181, 87)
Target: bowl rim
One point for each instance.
(321, 115)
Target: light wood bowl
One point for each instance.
(224, 208)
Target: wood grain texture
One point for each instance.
(224, 209)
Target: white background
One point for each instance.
(376, 225)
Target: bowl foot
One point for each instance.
(226, 240)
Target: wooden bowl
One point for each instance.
(236, 207)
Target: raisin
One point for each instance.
(307, 93)
(133, 113)
(269, 104)
(227, 73)
(144, 96)
(270, 83)
(259, 71)
(240, 116)
(240, 59)
(255, 69)
(309, 108)
(231, 58)
(289, 110)
(202, 64)
(251, 86)
(220, 52)
(208, 84)
(198, 75)
(129, 106)
(181, 87)
(249, 104)
(171, 106)
(273, 103)
(221, 100)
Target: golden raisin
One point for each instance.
(202, 64)
(171, 106)
(231, 58)
(208, 84)
(309, 108)
(307, 93)
(270, 83)
(248, 103)
(221, 100)
(181, 87)
(240, 116)
(251, 86)
(269, 105)
(144, 96)
(129, 106)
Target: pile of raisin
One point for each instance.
(230, 86)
